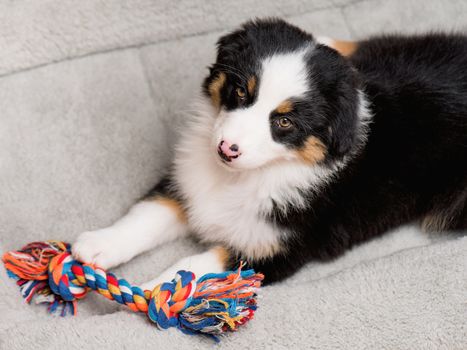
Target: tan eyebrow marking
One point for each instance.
(251, 85)
(285, 107)
(313, 151)
(215, 89)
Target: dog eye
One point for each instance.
(284, 123)
(241, 94)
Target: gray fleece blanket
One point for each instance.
(90, 95)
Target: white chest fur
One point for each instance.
(230, 207)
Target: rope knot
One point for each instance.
(169, 299)
(62, 279)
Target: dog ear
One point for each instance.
(338, 83)
(343, 124)
(230, 45)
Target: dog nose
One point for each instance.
(228, 151)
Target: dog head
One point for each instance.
(281, 96)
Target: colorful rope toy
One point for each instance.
(212, 305)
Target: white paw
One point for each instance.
(104, 248)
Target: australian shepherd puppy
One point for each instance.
(302, 148)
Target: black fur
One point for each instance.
(413, 166)
(240, 52)
(415, 161)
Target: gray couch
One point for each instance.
(90, 95)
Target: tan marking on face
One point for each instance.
(174, 205)
(345, 48)
(215, 89)
(222, 254)
(285, 107)
(313, 151)
(251, 85)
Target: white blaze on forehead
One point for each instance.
(283, 76)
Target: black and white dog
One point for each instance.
(302, 148)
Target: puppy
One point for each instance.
(300, 150)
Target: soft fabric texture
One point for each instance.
(91, 93)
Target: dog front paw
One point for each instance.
(104, 248)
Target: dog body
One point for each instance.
(299, 153)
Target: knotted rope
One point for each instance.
(213, 304)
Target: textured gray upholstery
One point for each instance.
(90, 95)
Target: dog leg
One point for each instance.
(151, 222)
(214, 260)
